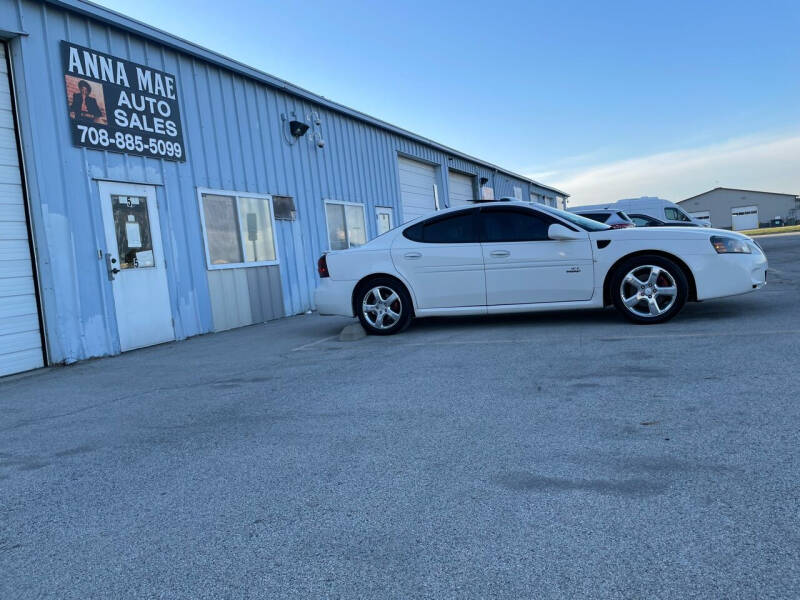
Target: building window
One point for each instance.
(346, 224)
(238, 229)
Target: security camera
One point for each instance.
(320, 143)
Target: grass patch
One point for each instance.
(766, 230)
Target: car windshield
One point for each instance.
(578, 220)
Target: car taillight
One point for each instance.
(322, 266)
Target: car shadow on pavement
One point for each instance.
(597, 316)
(694, 312)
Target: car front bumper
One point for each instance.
(719, 275)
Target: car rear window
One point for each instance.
(601, 217)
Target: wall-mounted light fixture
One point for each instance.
(297, 128)
(484, 180)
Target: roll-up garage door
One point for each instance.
(461, 189)
(20, 340)
(744, 217)
(418, 192)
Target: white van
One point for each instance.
(662, 210)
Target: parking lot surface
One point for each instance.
(561, 455)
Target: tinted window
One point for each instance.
(674, 214)
(599, 217)
(501, 225)
(414, 233)
(450, 229)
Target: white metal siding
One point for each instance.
(417, 185)
(20, 341)
(744, 217)
(461, 189)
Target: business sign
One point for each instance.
(120, 106)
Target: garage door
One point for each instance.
(418, 191)
(744, 217)
(461, 189)
(20, 342)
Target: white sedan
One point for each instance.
(509, 257)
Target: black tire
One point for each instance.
(382, 321)
(635, 301)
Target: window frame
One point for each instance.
(327, 201)
(236, 195)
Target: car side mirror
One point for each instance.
(560, 232)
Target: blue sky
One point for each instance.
(605, 99)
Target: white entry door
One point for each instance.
(135, 261)
(744, 217)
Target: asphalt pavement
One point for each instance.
(560, 455)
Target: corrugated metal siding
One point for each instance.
(242, 297)
(241, 148)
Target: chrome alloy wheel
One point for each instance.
(648, 291)
(382, 307)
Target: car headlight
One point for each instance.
(729, 245)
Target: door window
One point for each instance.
(458, 228)
(642, 221)
(673, 214)
(132, 229)
(508, 225)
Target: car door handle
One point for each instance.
(413, 255)
(500, 253)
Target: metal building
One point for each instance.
(730, 208)
(133, 210)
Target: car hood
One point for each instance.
(664, 233)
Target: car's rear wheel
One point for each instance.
(649, 289)
(383, 306)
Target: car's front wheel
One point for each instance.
(649, 289)
(383, 306)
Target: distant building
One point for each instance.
(731, 208)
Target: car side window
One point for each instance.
(509, 225)
(458, 228)
(641, 221)
(673, 214)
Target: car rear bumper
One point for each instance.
(334, 297)
(730, 274)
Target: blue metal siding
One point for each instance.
(234, 141)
